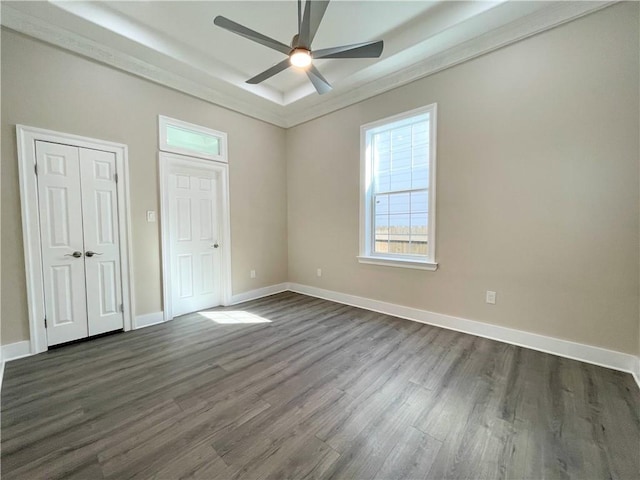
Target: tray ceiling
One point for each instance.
(176, 44)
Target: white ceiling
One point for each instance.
(176, 43)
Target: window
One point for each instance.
(398, 164)
(185, 138)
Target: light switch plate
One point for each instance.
(491, 297)
(151, 216)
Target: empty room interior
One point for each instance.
(310, 239)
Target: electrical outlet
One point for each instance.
(319, 272)
(491, 297)
(252, 274)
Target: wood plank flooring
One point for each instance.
(318, 390)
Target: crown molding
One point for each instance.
(528, 26)
(46, 32)
(545, 19)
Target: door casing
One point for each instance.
(26, 137)
(166, 162)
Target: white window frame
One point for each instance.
(164, 122)
(367, 253)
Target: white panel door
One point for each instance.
(195, 253)
(102, 249)
(60, 210)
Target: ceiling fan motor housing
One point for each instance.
(299, 53)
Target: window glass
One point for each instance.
(178, 136)
(398, 165)
(190, 140)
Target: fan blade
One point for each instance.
(357, 50)
(313, 13)
(270, 72)
(251, 34)
(321, 84)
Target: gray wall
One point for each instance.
(538, 191)
(45, 87)
(537, 188)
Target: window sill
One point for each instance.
(399, 262)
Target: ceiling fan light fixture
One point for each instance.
(299, 51)
(300, 57)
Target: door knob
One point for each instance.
(75, 254)
(90, 254)
(215, 245)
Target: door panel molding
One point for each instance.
(26, 139)
(168, 162)
(102, 271)
(61, 218)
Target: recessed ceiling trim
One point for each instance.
(287, 116)
(515, 31)
(36, 28)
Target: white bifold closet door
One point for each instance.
(77, 202)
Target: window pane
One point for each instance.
(381, 232)
(400, 168)
(399, 223)
(381, 151)
(419, 202)
(418, 248)
(399, 203)
(401, 147)
(381, 161)
(420, 156)
(419, 233)
(420, 176)
(383, 181)
(381, 246)
(190, 140)
(382, 204)
(401, 158)
(399, 233)
(400, 179)
(420, 133)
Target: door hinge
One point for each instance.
(35, 167)
(45, 322)
(115, 176)
(122, 307)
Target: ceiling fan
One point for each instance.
(299, 53)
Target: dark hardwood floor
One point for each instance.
(321, 390)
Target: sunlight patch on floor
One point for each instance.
(234, 317)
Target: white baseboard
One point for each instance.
(148, 319)
(259, 293)
(13, 351)
(564, 348)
